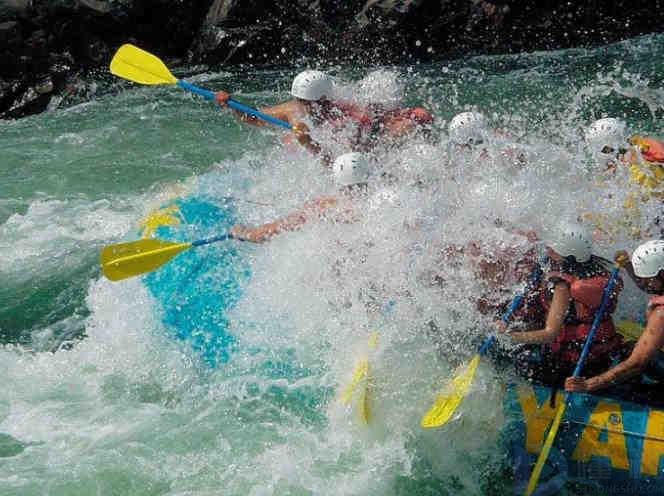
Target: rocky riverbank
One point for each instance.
(50, 47)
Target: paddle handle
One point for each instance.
(208, 241)
(606, 296)
(240, 107)
(517, 301)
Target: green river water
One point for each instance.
(97, 399)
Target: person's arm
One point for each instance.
(301, 132)
(282, 111)
(292, 222)
(554, 320)
(650, 341)
(621, 258)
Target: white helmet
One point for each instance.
(467, 128)
(312, 85)
(648, 258)
(351, 168)
(606, 133)
(381, 87)
(571, 239)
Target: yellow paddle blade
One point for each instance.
(364, 399)
(139, 66)
(137, 257)
(361, 371)
(629, 329)
(544, 454)
(450, 399)
(373, 340)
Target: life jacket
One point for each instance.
(651, 149)
(350, 112)
(338, 116)
(417, 115)
(649, 172)
(586, 299)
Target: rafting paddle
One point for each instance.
(125, 260)
(139, 66)
(562, 405)
(449, 400)
(361, 378)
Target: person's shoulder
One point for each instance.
(656, 319)
(289, 105)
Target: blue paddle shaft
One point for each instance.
(606, 296)
(534, 278)
(208, 241)
(210, 95)
(207, 94)
(240, 107)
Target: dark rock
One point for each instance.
(98, 6)
(29, 102)
(59, 39)
(44, 86)
(8, 30)
(11, 9)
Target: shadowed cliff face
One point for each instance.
(47, 45)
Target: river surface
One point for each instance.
(99, 398)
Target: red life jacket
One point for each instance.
(351, 112)
(651, 149)
(417, 115)
(586, 299)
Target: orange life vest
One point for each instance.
(353, 113)
(586, 299)
(417, 115)
(651, 149)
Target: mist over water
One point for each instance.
(99, 399)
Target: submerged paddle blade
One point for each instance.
(126, 260)
(364, 399)
(448, 401)
(361, 371)
(139, 66)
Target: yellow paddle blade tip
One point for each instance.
(360, 373)
(373, 340)
(364, 404)
(139, 66)
(454, 393)
(125, 260)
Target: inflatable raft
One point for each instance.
(611, 446)
(197, 289)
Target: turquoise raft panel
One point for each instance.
(614, 447)
(197, 289)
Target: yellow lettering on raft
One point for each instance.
(606, 417)
(538, 417)
(167, 216)
(653, 445)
